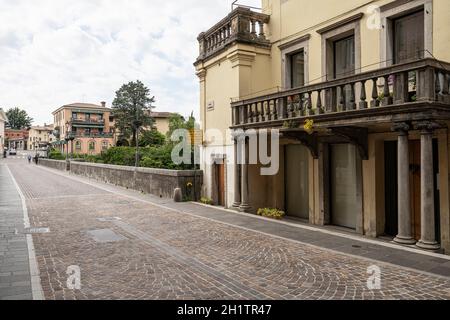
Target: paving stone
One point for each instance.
(170, 255)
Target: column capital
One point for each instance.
(427, 127)
(401, 127)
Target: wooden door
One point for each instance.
(391, 188)
(221, 184)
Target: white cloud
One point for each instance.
(58, 52)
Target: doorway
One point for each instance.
(391, 188)
(220, 178)
(297, 181)
(344, 185)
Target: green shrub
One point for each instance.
(158, 157)
(56, 155)
(205, 200)
(271, 213)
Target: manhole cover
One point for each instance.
(109, 219)
(105, 236)
(40, 230)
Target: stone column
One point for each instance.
(428, 234)
(237, 178)
(404, 196)
(244, 207)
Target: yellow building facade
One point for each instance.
(371, 79)
(40, 137)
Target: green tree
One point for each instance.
(132, 108)
(177, 121)
(150, 138)
(18, 119)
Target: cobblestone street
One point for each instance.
(129, 248)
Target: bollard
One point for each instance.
(178, 195)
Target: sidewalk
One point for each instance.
(15, 277)
(344, 243)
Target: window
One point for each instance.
(344, 57)
(294, 67)
(104, 145)
(297, 64)
(78, 145)
(92, 146)
(409, 37)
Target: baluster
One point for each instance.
(253, 25)
(266, 110)
(273, 110)
(363, 98)
(352, 104)
(290, 107)
(242, 114)
(319, 102)
(249, 113)
(387, 100)
(297, 109)
(375, 102)
(401, 88)
(445, 88)
(437, 85)
(261, 111)
(342, 99)
(261, 30)
(282, 104)
(309, 102)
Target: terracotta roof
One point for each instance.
(161, 114)
(49, 127)
(80, 105)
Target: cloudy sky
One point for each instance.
(55, 52)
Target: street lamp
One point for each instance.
(69, 137)
(137, 124)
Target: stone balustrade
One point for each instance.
(241, 25)
(425, 80)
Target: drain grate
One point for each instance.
(105, 236)
(40, 230)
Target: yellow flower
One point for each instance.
(309, 126)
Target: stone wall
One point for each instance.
(55, 164)
(158, 182)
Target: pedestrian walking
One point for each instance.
(29, 158)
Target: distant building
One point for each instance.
(17, 139)
(83, 128)
(40, 137)
(161, 121)
(3, 120)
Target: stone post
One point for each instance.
(237, 178)
(244, 207)
(404, 196)
(428, 234)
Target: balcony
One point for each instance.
(91, 135)
(78, 122)
(241, 25)
(417, 90)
